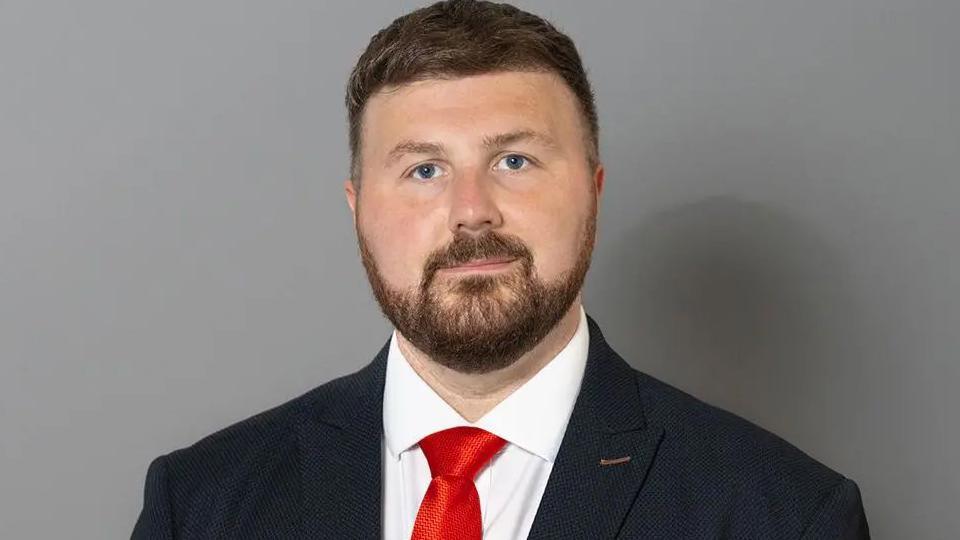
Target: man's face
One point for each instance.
(476, 212)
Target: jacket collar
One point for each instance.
(606, 451)
(605, 454)
(340, 435)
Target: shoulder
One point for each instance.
(263, 433)
(258, 451)
(251, 471)
(759, 477)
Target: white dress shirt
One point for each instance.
(532, 419)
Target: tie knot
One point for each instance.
(460, 451)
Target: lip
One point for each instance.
(482, 265)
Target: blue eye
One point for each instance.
(514, 162)
(427, 171)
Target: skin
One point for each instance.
(544, 200)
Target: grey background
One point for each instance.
(778, 234)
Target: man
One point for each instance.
(496, 409)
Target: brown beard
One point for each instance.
(484, 322)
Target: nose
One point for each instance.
(473, 207)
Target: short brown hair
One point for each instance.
(457, 38)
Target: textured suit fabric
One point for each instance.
(310, 468)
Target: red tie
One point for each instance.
(451, 508)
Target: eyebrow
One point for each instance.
(489, 142)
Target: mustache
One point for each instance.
(465, 248)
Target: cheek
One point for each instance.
(400, 243)
(555, 239)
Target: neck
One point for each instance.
(473, 395)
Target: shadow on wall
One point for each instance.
(739, 304)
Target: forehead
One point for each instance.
(471, 106)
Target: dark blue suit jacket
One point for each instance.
(310, 468)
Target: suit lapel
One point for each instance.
(340, 431)
(340, 434)
(605, 453)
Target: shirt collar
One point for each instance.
(533, 417)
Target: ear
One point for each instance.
(598, 178)
(350, 190)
